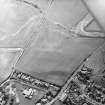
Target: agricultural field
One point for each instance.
(48, 40)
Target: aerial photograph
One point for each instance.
(52, 52)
